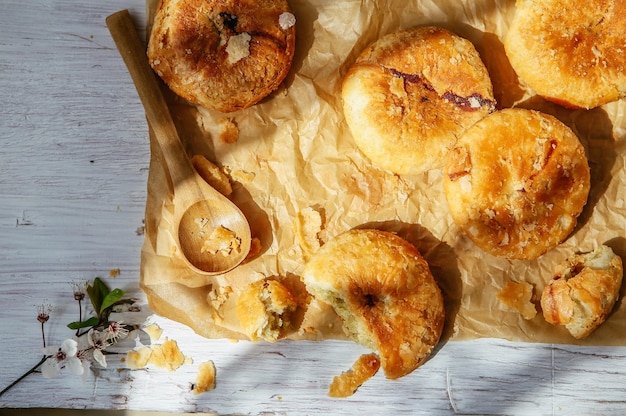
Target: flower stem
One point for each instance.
(43, 335)
(80, 315)
(23, 376)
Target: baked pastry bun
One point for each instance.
(583, 291)
(570, 52)
(383, 290)
(264, 310)
(223, 55)
(516, 182)
(409, 95)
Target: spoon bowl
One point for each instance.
(213, 253)
(212, 233)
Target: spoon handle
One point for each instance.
(158, 114)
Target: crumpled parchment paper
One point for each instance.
(296, 153)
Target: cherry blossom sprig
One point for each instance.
(92, 336)
(102, 299)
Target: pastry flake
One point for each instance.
(347, 383)
(518, 296)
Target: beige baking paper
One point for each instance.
(295, 153)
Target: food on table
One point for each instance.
(308, 226)
(570, 52)
(346, 384)
(221, 240)
(410, 94)
(166, 355)
(583, 291)
(264, 309)
(383, 290)
(518, 296)
(229, 131)
(516, 182)
(223, 55)
(205, 380)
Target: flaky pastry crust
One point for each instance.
(583, 291)
(223, 55)
(410, 94)
(516, 183)
(382, 288)
(264, 310)
(570, 52)
(346, 384)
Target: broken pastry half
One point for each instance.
(583, 291)
(385, 294)
(265, 309)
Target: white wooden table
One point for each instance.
(73, 167)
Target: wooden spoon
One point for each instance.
(199, 209)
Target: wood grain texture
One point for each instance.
(73, 170)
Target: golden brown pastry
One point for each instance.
(346, 384)
(410, 94)
(264, 310)
(224, 55)
(518, 296)
(308, 226)
(383, 290)
(205, 380)
(570, 52)
(516, 182)
(583, 291)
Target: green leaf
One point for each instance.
(94, 297)
(102, 287)
(97, 292)
(93, 321)
(111, 298)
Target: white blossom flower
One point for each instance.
(62, 357)
(116, 331)
(98, 340)
(100, 358)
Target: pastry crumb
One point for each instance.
(307, 330)
(154, 331)
(218, 296)
(166, 355)
(308, 228)
(229, 131)
(347, 383)
(222, 241)
(243, 176)
(518, 295)
(139, 358)
(205, 380)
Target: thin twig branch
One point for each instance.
(26, 374)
